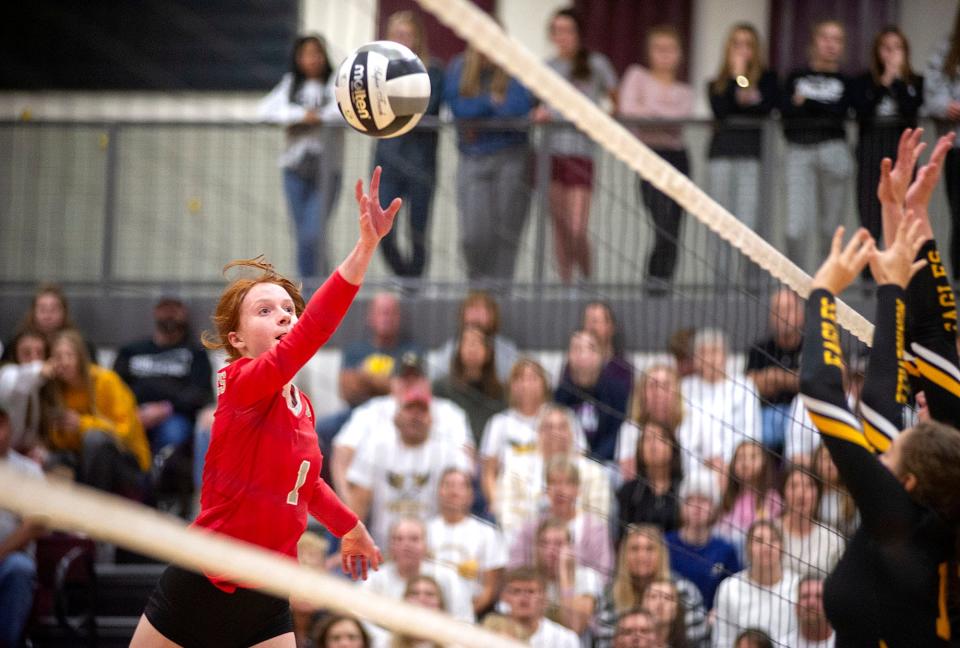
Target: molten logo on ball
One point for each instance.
(359, 93)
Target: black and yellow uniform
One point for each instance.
(932, 333)
(890, 586)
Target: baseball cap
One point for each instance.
(702, 483)
(410, 363)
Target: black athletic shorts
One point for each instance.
(186, 608)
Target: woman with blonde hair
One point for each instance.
(642, 560)
(493, 190)
(95, 432)
(410, 161)
(744, 89)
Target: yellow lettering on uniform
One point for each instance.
(938, 270)
(828, 309)
(832, 359)
(933, 256)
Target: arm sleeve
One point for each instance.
(330, 510)
(517, 103)
(932, 330)
(631, 93)
(276, 108)
(722, 103)
(909, 97)
(273, 369)
(881, 499)
(885, 389)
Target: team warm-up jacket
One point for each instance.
(891, 583)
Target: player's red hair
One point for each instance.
(227, 316)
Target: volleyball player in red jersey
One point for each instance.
(262, 471)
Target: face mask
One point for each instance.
(171, 326)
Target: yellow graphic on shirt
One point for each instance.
(378, 364)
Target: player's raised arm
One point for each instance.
(375, 223)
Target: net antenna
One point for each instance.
(480, 31)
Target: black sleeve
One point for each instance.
(881, 499)
(122, 365)
(769, 93)
(863, 98)
(932, 332)
(787, 107)
(723, 103)
(885, 389)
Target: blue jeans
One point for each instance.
(414, 182)
(201, 442)
(774, 417)
(174, 431)
(18, 574)
(310, 204)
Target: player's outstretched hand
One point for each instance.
(921, 190)
(844, 263)
(901, 172)
(375, 221)
(896, 264)
(358, 552)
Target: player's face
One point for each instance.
(696, 511)
(424, 593)
(48, 313)
(564, 36)
(267, 313)
(661, 600)
(525, 599)
(635, 631)
(456, 492)
(66, 361)
(29, 348)
(664, 52)
(642, 555)
(344, 634)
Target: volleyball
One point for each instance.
(382, 89)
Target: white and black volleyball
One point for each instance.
(382, 89)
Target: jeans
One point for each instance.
(201, 443)
(413, 180)
(18, 574)
(310, 202)
(735, 184)
(775, 418)
(174, 431)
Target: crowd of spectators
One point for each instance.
(492, 113)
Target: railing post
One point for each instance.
(108, 261)
(542, 178)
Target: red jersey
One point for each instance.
(262, 471)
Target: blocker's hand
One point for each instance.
(844, 263)
(358, 551)
(896, 264)
(375, 222)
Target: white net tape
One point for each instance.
(480, 30)
(119, 521)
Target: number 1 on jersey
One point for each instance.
(293, 497)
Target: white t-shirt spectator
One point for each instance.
(742, 604)
(586, 582)
(817, 552)
(471, 547)
(553, 635)
(457, 596)
(717, 417)
(374, 419)
(512, 430)
(522, 490)
(402, 478)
